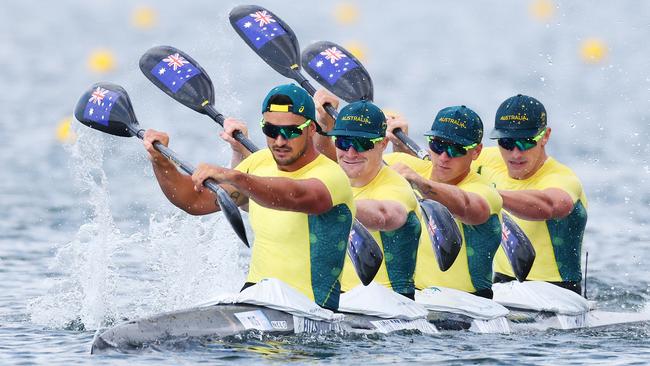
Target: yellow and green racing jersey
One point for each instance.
(398, 246)
(305, 251)
(557, 242)
(472, 269)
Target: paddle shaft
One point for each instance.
(412, 145)
(209, 183)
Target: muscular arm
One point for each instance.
(469, 207)
(179, 190)
(538, 205)
(307, 195)
(384, 215)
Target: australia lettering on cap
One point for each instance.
(516, 118)
(356, 118)
(452, 121)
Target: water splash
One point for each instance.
(103, 276)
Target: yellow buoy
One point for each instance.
(542, 10)
(64, 132)
(144, 17)
(101, 61)
(593, 50)
(356, 49)
(346, 13)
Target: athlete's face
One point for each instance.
(523, 164)
(286, 152)
(452, 170)
(361, 167)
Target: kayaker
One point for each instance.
(454, 142)
(544, 196)
(301, 205)
(385, 201)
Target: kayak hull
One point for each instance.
(223, 320)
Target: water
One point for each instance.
(87, 239)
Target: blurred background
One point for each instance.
(86, 237)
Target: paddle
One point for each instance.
(517, 246)
(107, 107)
(322, 60)
(197, 93)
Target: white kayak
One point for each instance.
(275, 308)
(540, 305)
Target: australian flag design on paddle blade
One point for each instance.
(99, 105)
(260, 27)
(331, 64)
(174, 71)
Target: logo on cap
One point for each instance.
(360, 119)
(452, 121)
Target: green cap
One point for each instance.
(457, 124)
(301, 102)
(518, 117)
(360, 119)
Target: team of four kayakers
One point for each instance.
(302, 204)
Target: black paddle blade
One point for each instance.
(443, 231)
(336, 69)
(106, 107)
(179, 76)
(366, 258)
(231, 211)
(269, 37)
(518, 248)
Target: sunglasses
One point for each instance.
(360, 144)
(288, 132)
(453, 150)
(521, 144)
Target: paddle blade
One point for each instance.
(364, 253)
(269, 37)
(231, 211)
(107, 107)
(336, 69)
(179, 76)
(518, 248)
(443, 231)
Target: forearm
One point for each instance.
(470, 208)
(536, 205)
(381, 215)
(237, 158)
(179, 190)
(283, 193)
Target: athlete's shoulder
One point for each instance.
(554, 174)
(255, 160)
(490, 157)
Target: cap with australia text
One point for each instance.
(519, 117)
